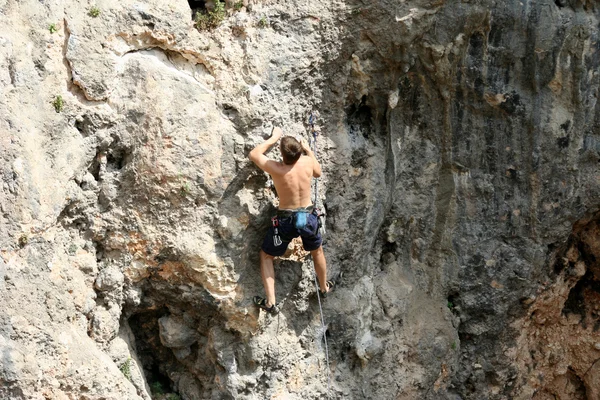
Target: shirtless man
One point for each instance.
(295, 216)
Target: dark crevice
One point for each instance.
(100, 250)
(117, 155)
(387, 249)
(561, 3)
(94, 168)
(579, 392)
(154, 357)
(360, 119)
(170, 366)
(196, 6)
(167, 254)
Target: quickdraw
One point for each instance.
(276, 238)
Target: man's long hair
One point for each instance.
(291, 150)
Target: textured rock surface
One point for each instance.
(460, 148)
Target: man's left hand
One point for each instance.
(276, 134)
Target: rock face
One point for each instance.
(460, 148)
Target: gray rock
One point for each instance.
(109, 279)
(459, 143)
(174, 333)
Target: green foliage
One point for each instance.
(23, 240)
(58, 103)
(356, 11)
(210, 19)
(173, 396)
(72, 250)
(450, 305)
(157, 388)
(453, 345)
(52, 28)
(94, 12)
(263, 22)
(126, 368)
(185, 188)
(238, 5)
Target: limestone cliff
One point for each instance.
(460, 145)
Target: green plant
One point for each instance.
(356, 11)
(157, 388)
(126, 368)
(185, 188)
(238, 5)
(173, 396)
(263, 23)
(52, 28)
(450, 305)
(58, 103)
(94, 12)
(23, 240)
(453, 345)
(72, 250)
(210, 19)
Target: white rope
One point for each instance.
(323, 330)
(324, 333)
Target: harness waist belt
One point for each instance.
(285, 213)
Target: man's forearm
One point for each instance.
(263, 147)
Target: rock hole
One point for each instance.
(117, 156)
(388, 251)
(116, 160)
(152, 355)
(94, 168)
(172, 327)
(560, 3)
(84, 125)
(453, 300)
(99, 251)
(360, 119)
(196, 6)
(576, 384)
(563, 142)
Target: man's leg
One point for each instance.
(318, 257)
(267, 272)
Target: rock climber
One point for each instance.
(296, 215)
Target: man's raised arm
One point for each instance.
(316, 165)
(257, 155)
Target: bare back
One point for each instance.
(292, 183)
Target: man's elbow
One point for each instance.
(317, 174)
(252, 156)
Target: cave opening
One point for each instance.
(197, 6)
(152, 355)
(172, 326)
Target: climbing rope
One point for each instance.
(311, 120)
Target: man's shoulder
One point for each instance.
(276, 167)
(306, 163)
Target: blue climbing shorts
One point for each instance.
(286, 230)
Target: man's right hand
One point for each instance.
(305, 145)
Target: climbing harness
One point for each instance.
(300, 220)
(321, 226)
